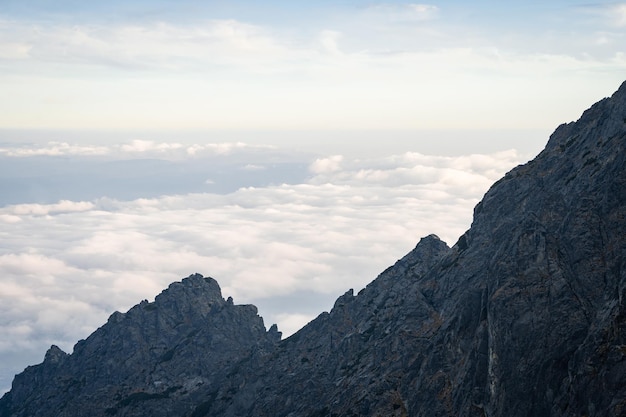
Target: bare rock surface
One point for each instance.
(158, 359)
(524, 316)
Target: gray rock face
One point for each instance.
(158, 359)
(524, 316)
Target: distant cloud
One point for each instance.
(14, 50)
(222, 148)
(55, 149)
(134, 147)
(611, 15)
(423, 8)
(326, 165)
(403, 12)
(461, 176)
(254, 167)
(329, 39)
(67, 266)
(293, 322)
(63, 206)
(620, 14)
(132, 46)
(148, 145)
(9, 218)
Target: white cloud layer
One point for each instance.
(55, 149)
(67, 266)
(143, 147)
(63, 206)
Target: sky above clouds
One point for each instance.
(291, 150)
(305, 65)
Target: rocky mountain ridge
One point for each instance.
(148, 361)
(524, 316)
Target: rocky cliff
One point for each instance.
(158, 359)
(524, 316)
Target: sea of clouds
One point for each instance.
(91, 229)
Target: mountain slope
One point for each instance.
(524, 316)
(158, 359)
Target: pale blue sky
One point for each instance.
(306, 65)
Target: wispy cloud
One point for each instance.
(54, 149)
(133, 148)
(620, 14)
(385, 66)
(137, 46)
(607, 15)
(63, 206)
(141, 146)
(14, 50)
(214, 44)
(412, 12)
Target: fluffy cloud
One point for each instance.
(63, 206)
(67, 266)
(55, 149)
(225, 148)
(76, 261)
(326, 165)
(136, 146)
(462, 176)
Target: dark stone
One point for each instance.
(524, 316)
(158, 359)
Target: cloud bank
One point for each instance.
(143, 147)
(67, 266)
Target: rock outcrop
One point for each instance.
(158, 359)
(524, 316)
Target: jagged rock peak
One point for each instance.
(581, 158)
(274, 334)
(194, 296)
(158, 359)
(427, 251)
(194, 285)
(604, 119)
(430, 244)
(55, 355)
